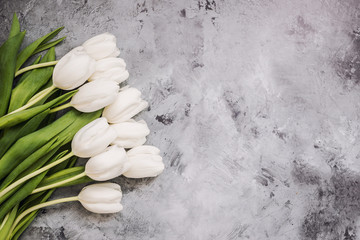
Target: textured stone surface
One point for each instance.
(254, 104)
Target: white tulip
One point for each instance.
(93, 138)
(94, 96)
(127, 104)
(101, 198)
(145, 162)
(107, 165)
(130, 133)
(73, 69)
(102, 46)
(113, 69)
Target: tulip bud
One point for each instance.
(145, 162)
(102, 46)
(113, 69)
(94, 96)
(73, 69)
(93, 138)
(130, 133)
(101, 198)
(127, 104)
(107, 165)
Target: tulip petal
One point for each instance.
(127, 104)
(95, 95)
(107, 165)
(101, 46)
(73, 69)
(93, 138)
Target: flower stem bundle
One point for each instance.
(56, 110)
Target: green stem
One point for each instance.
(60, 107)
(36, 98)
(36, 207)
(40, 65)
(54, 185)
(4, 221)
(33, 174)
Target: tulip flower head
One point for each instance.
(107, 165)
(73, 69)
(127, 104)
(95, 95)
(145, 162)
(110, 69)
(102, 46)
(101, 198)
(130, 133)
(93, 138)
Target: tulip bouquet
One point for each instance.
(39, 147)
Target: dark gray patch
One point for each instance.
(165, 119)
(280, 134)
(349, 234)
(133, 184)
(322, 224)
(60, 234)
(263, 181)
(272, 195)
(183, 13)
(141, 7)
(187, 109)
(337, 209)
(347, 192)
(255, 132)
(305, 174)
(267, 174)
(233, 102)
(208, 5)
(347, 65)
(175, 162)
(195, 64)
(213, 20)
(45, 233)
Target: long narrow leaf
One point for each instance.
(6, 228)
(48, 45)
(12, 134)
(30, 143)
(18, 117)
(26, 74)
(25, 222)
(15, 26)
(31, 85)
(8, 53)
(29, 50)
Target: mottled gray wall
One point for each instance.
(254, 104)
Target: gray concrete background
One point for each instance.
(254, 104)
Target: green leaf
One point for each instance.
(26, 74)
(32, 163)
(15, 27)
(18, 117)
(21, 194)
(45, 46)
(29, 50)
(30, 143)
(31, 85)
(12, 134)
(4, 231)
(32, 200)
(8, 53)
(66, 174)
